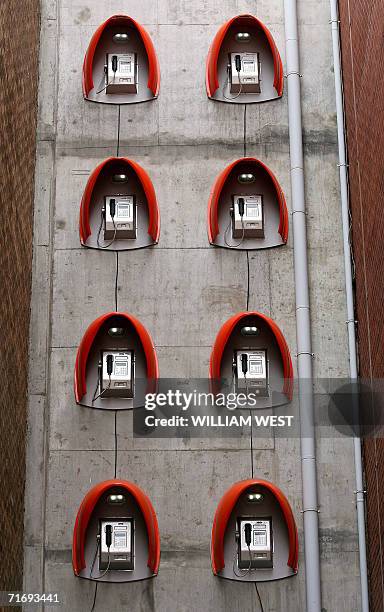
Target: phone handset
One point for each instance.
(112, 212)
(238, 70)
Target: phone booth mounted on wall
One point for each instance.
(254, 534)
(121, 65)
(119, 209)
(243, 63)
(247, 207)
(116, 535)
(251, 355)
(116, 364)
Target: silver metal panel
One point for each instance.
(120, 383)
(251, 224)
(259, 552)
(256, 378)
(120, 555)
(121, 73)
(123, 225)
(247, 79)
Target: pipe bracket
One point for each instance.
(304, 212)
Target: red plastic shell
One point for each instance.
(224, 335)
(212, 80)
(153, 62)
(153, 208)
(224, 510)
(85, 512)
(213, 203)
(87, 341)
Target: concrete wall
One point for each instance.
(190, 289)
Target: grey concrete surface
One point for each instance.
(34, 569)
(34, 504)
(175, 588)
(38, 345)
(219, 291)
(182, 290)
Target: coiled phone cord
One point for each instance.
(246, 571)
(94, 561)
(105, 80)
(95, 397)
(105, 246)
(233, 246)
(225, 87)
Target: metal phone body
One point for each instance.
(121, 382)
(125, 78)
(252, 222)
(248, 79)
(121, 552)
(259, 554)
(256, 378)
(125, 219)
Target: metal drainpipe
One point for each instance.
(344, 196)
(303, 322)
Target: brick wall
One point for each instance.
(362, 29)
(19, 33)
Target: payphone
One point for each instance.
(116, 550)
(115, 541)
(248, 216)
(254, 543)
(121, 73)
(254, 538)
(250, 368)
(116, 374)
(120, 218)
(244, 72)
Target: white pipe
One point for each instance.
(303, 322)
(344, 195)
